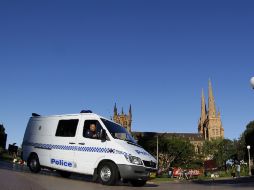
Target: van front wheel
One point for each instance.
(34, 164)
(108, 173)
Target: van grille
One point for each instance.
(149, 164)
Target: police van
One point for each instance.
(60, 142)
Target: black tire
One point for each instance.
(108, 173)
(138, 183)
(64, 174)
(34, 164)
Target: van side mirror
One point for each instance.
(103, 135)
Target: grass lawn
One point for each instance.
(163, 179)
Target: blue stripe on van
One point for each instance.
(75, 148)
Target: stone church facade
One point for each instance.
(123, 119)
(210, 125)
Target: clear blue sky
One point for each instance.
(63, 56)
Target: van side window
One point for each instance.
(67, 128)
(92, 129)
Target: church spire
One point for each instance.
(211, 102)
(130, 112)
(203, 114)
(115, 110)
(203, 108)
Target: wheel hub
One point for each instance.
(105, 173)
(33, 164)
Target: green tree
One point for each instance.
(173, 151)
(248, 136)
(226, 151)
(240, 146)
(210, 148)
(178, 151)
(220, 150)
(148, 143)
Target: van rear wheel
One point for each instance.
(108, 173)
(34, 164)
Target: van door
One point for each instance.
(90, 147)
(64, 144)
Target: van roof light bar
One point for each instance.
(86, 111)
(35, 115)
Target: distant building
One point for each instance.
(210, 125)
(3, 137)
(123, 119)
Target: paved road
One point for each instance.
(14, 177)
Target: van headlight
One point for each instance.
(133, 159)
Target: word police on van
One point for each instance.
(86, 143)
(61, 162)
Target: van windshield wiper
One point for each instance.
(129, 142)
(132, 143)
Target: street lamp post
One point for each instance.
(157, 151)
(248, 147)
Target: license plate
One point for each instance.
(152, 175)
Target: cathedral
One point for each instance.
(210, 125)
(123, 119)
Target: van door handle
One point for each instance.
(72, 143)
(81, 143)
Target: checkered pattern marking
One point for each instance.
(76, 148)
(143, 152)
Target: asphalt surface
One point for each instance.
(14, 177)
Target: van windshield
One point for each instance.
(118, 132)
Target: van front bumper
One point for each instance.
(132, 172)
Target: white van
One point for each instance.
(64, 143)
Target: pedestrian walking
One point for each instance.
(238, 169)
